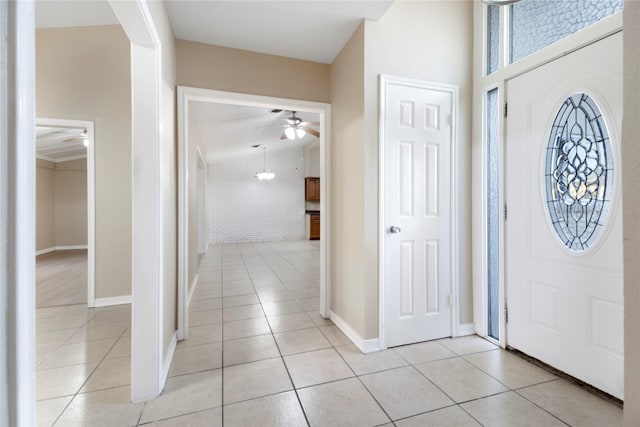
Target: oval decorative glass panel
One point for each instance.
(578, 172)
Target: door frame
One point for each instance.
(482, 84)
(91, 198)
(187, 94)
(454, 218)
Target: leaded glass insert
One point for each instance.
(493, 36)
(578, 172)
(493, 215)
(535, 24)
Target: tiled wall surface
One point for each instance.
(242, 208)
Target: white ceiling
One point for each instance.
(314, 30)
(231, 130)
(59, 143)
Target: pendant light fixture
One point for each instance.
(266, 173)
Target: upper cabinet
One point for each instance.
(312, 189)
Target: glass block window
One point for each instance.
(493, 36)
(493, 214)
(578, 172)
(535, 24)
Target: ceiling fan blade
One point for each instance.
(75, 138)
(309, 124)
(311, 131)
(284, 136)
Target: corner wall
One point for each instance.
(631, 212)
(85, 74)
(430, 40)
(347, 179)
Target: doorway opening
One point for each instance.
(65, 212)
(186, 98)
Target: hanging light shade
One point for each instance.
(290, 133)
(266, 173)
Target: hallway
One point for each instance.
(259, 354)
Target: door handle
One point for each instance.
(394, 229)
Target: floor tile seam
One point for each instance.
(505, 384)
(435, 385)
(469, 414)
(471, 353)
(517, 391)
(424, 413)
(87, 379)
(384, 411)
(175, 416)
(428, 361)
(486, 373)
(79, 363)
(304, 413)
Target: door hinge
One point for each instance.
(506, 109)
(505, 211)
(506, 314)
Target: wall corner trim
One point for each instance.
(365, 346)
(466, 329)
(168, 359)
(193, 288)
(108, 301)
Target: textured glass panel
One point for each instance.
(536, 24)
(493, 36)
(578, 172)
(493, 214)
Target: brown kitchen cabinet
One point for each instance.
(312, 189)
(314, 227)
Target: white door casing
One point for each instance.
(416, 187)
(565, 307)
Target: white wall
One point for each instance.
(242, 208)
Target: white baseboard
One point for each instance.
(168, 358)
(104, 302)
(192, 288)
(466, 329)
(365, 346)
(60, 248)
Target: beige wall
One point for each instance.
(84, 74)
(430, 41)
(194, 141)
(61, 203)
(233, 70)
(423, 40)
(347, 179)
(71, 202)
(631, 213)
(45, 205)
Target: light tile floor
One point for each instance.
(258, 354)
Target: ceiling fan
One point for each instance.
(295, 127)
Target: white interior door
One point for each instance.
(418, 141)
(564, 226)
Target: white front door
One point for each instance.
(564, 225)
(418, 142)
